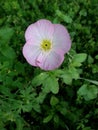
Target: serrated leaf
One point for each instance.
(39, 79)
(51, 84)
(74, 73)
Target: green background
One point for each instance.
(66, 98)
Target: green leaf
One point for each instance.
(48, 118)
(83, 12)
(90, 59)
(47, 85)
(67, 78)
(51, 84)
(62, 108)
(70, 74)
(54, 101)
(48, 81)
(36, 107)
(6, 34)
(57, 72)
(88, 92)
(66, 18)
(78, 59)
(39, 79)
(41, 97)
(95, 68)
(56, 119)
(74, 73)
(8, 52)
(55, 87)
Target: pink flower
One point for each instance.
(46, 44)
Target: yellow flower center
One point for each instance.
(46, 45)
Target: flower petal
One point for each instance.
(46, 28)
(31, 53)
(50, 61)
(32, 32)
(61, 38)
(42, 29)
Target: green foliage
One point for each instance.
(65, 98)
(78, 59)
(47, 119)
(54, 101)
(6, 34)
(88, 92)
(48, 81)
(8, 52)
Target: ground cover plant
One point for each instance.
(66, 97)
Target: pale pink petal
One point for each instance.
(61, 38)
(50, 61)
(31, 53)
(42, 29)
(32, 32)
(41, 58)
(46, 28)
(58, 51)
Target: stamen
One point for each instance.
(46, 45)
